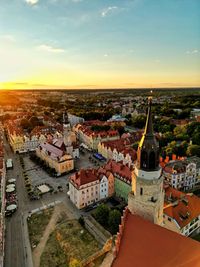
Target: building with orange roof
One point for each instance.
(22, 142)
(119, 150)
(122, 178)
(181, 212)
(92, 138)
(87, 187)
(183, 174)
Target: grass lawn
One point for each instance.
(68, 241)
(37, 224)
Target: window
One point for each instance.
(141, 191)
(169, 219)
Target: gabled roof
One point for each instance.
(184, 207)
(84, 177)
(52, 149)
(119, 168)
(144, 244)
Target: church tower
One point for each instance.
(66, 130)
(147, 196)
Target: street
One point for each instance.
(17, 248)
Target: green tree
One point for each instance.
(34, 121)
(25, 124)
(196, 138)
(114, 220)
(193, 150)
(193, 127)
(101, 214)
(139, 121)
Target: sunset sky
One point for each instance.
(99, 43)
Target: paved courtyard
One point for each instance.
(39, 176)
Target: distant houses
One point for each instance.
(183, 174)
(181, 212)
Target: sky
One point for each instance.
(74, 44)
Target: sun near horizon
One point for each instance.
(78, 44)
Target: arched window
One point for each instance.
(144, 159)
(152, 160)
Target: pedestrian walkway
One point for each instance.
(37, 252)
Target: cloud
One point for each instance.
(108, 10)
(105, 55)
(8, 37)
(194, 51)
(32, 2)
(51, 49)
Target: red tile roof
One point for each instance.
(145, 244)
(84, 177)
(120, 169)
(180, 206)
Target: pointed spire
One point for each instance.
(148, 149)
(149, 125)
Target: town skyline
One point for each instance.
(79, 44)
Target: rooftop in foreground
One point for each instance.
(146, 244)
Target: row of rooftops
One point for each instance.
(122, 145)
(14, 128)
(182, 207)
(85, 127)
(94, 134)
(179, 166)
(91, 175)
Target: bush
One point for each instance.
(101, 214)
(81, 221)
(114, 220)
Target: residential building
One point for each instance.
(22, 142)
(87, 187)
(183, 174)
(118, 150)
(73, 119)
(122, 178)
(181, 212)
(92, 138)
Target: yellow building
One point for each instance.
(55, 158)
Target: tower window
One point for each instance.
(141, 191)
(152, 160)
(144, 159)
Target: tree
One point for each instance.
(193, 127)
(184, 114)
(34, 121)
(193, 150)
(114, 220)
(139, 121)
(101, 214)
(196, 138)
(74, 263)
(25, 124)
